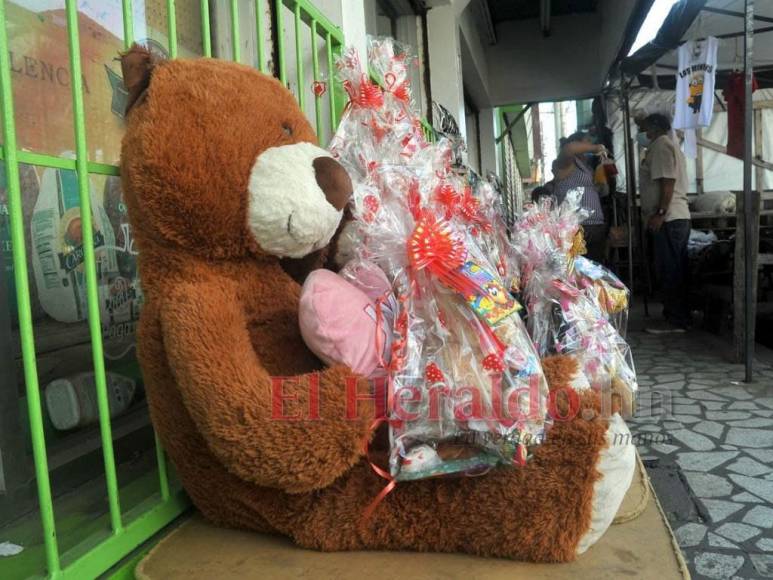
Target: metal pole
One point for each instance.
(630, 172)
(749, 214)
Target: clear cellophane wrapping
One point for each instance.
(575, 307)
(467, 389)
(604, 286)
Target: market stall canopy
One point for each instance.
(720, 18)
(678, 21)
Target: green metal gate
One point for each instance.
(97, 552)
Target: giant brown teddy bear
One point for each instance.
(221, 181)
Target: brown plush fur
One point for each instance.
(221, 318)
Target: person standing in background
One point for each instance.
(573, 171)
(663, 184)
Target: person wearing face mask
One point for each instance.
(663, 188)
(572, 170)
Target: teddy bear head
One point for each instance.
(218, 160)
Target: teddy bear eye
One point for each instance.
(287, 130)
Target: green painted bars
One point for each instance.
(128, 530)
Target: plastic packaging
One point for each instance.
(602, 285)
(58, 246)
(575, 306)
(466, 387)
(72, 402)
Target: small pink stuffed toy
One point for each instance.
(347, 318)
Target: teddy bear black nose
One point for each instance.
(333, 181)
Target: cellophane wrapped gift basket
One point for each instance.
(575, 306)
(466, 390)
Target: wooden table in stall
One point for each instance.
(726, 224)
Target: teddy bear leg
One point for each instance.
(537, 513)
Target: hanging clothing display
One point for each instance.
(695, 83)
(734, 93)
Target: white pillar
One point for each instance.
(445, 60)
(351, 17)
(353, 24)
(488, 145)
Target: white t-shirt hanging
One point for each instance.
(695, 83)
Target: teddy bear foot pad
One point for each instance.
(197, 549)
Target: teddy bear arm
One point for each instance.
(293, 433)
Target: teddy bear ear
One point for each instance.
(137, 65)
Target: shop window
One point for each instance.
(42, 90)
(50, 195)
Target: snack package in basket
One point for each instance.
(466, 389)
(572, 302)
(600, 283)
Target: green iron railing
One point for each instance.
(429, 132)
(94, 555)
(306, 14)
(511, 201)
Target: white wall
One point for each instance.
(409, 31)
(474, 65)
(472, 139)
(458, 61)
(488, 148)
(353, 23)
(445, 61)
(351, 16)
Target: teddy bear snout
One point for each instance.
(333, 181)
(296, 199)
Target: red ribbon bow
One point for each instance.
(368, 95)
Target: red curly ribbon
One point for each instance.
(379, 319)
(469, 209)
(448, 198)
(521, 455)
(388, 488)
(367, 95)
(402, 93)
(435, 247)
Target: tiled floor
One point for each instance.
(707, 440)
